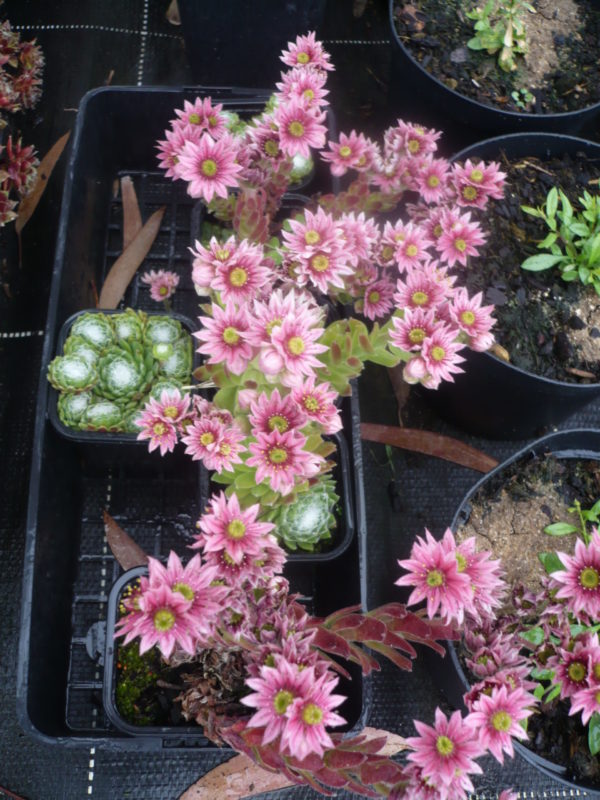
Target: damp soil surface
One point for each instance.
(548, 326)
(507, 516)
(560, 72)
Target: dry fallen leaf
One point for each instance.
(240, 777)
(29, 203)
(132, 218)
(431, 444)
(172, 14)
(124, 549)
(580, 373)
(500, 352)
(124, 268)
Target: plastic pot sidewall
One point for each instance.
(471, 113)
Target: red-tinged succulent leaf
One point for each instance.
(269, 757)
(330, 777)
(311, 763)
(340, 758)
(254, 736)
(250, 219)
(310, 780)
(400, 644)
(381, 770)
(341, 612)
(369, 628)
(347, 621)
(331, 643)
(369, 746)
(400, 661)
(364, 791)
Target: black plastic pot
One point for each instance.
(68, 567)
(101, 437)
(493, 398)
(256, 32)
(355, 709)
(470, 116)
(571, 444)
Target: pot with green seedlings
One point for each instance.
(108, 364)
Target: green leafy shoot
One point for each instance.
(585, 518)
(500, 28)
(573, 240)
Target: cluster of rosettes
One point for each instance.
(464, 586)
(213, 151)
(18, 170)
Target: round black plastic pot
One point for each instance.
(238, 43)
(101, 437)
(452, 680)
(493, 398)
(470, 114)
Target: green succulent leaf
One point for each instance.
(71, 373)
(594, 734)
(95, 329)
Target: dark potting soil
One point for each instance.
(548, 326)
(539, 485)
(436, 33)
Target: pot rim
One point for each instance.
(476, 105)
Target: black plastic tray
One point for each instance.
(68, 568)
(100, 437)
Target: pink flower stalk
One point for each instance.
(473, 319)
(353, 151)
(304, 84)
(161, 433)
(475, 183)
(162, 283)
(317, 401)
(440, 354)
(162, 618)
(306, 51)
(228, 528)
(309, 715)
(209, 166)
(446, 750)
(421, 288)
(281, 459)
(459, 239)
(378, 299)
(497, 719)
(296, 345)
(434, 574)
(300, 129)
(579, 582)
(275, 689)
(201, 115)
(223, 338)
(411, 246)
(417, 325)
(275, 412)
(587, 701)
(432, 179)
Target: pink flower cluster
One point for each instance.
(162, 283)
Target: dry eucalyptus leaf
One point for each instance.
(124, 549)
(172, 14)
(241, 778)
(132, 218)
(124, 268)
(430, 444)
(29, 203)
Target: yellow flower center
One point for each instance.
(222, 254)
(577, 671)
(308, 94)
(345, 151)
(476, 175)
(433, 181)
(434, 578)
(373, 297)
(296, 129)
(461, 562)
(438, 353)
(163, 290)
(444, 746)
(194, 119)
(312, 404)
(320, 262)
(413, 146)
(238, 276)
(412, 250)
(207, 438)
(501, 721)
(312, 237)
(282, 700)
(212, 122)
(437, 231)
(209, 167)
(420, 298)
(589, 578)
(296, 345)
(302, 57)
(163, 619)
(230, 335)
(159, 428)
(312, 714)
(277, 455)
(387, 252)
(170, 412)
(460, 245)
(271, 147)
(271, 325)
(277, 422)
(468, 317)
(469, 192)
(185, 590)
(236, 529)
(416, 335)
(224, 449)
